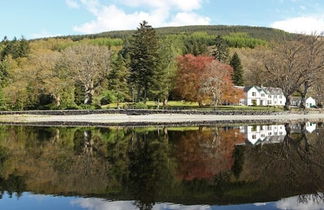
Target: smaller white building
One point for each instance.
(310, 102)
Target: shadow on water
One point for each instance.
(189, 165)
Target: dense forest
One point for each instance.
(191, 63)
(222, 30)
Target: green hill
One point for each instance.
(263, 33)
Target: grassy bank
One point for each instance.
(189, 105)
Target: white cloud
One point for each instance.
(100, 204)
(304, 24)
(160, 13)
(72, 4)
(311, 203)
(189, 18)
(260, 204)
(43, 34)
(183, 5)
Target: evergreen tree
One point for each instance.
(79, 93)
(4, 66)
(144, 60)
(23, 48)
(220, 52)
(165, 73)
(237, 76)
(118, 78)
(194, 47)
(7, 48)
(15, 48)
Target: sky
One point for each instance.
(46, 18)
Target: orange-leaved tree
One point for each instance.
(205, 80)
(189, 75)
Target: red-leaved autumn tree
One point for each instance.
(205, 80)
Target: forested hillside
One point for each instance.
(254, 32)
(191, 63)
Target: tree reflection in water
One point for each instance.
(193, 165)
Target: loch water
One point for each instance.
(242, 166)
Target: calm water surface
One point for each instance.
(215, 167)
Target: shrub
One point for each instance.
(140, 105)
(108, 97)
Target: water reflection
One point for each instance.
(307, 202)
(263, 134)
(153, 168)
(304, 202)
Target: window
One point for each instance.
(253, 136)
(269, 96)
(269, 102)
(269, 128)
(280, 96)
(253, 93)
(262, 94)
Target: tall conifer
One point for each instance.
(144, 60)
(117, 79)
(220, 51)
(237, 76)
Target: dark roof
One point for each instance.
(268, 90)
(274, 91)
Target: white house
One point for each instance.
(262, 96)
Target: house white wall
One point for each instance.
(310, 102)
(260, 97)
(252, 97)
(278, 100)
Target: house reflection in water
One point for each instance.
(265, 134)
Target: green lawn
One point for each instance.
(193, 105)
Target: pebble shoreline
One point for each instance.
(153, 119)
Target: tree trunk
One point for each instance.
(303, 94)
(165, 102)
(288, 102)
(158, 104)
(145, 95)
(302, 104)
(118, 104)
(57, 100)
(89, 92)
